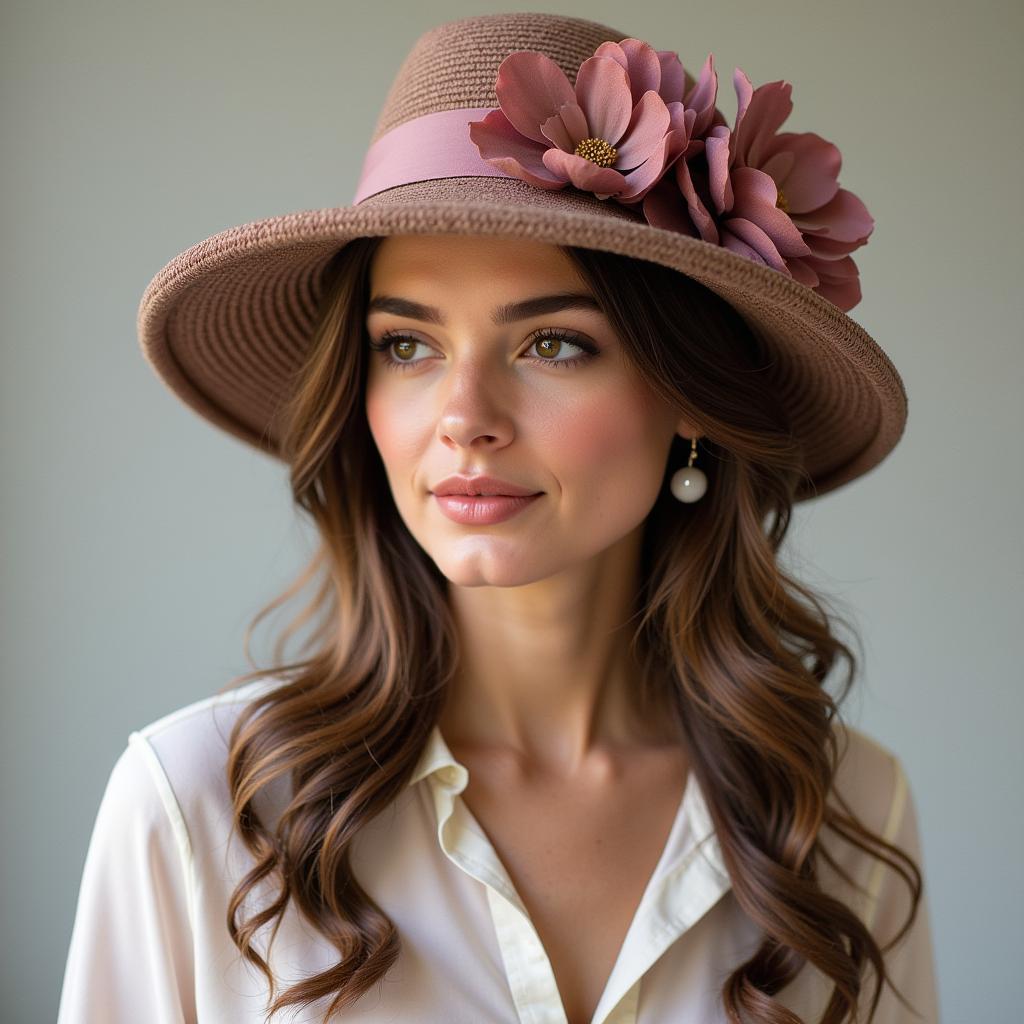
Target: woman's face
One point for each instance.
(467, 391)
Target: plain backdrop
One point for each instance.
(138, 541)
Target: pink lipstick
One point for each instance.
(482, 510)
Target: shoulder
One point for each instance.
(184, 735)
(871, 784)
(185, 754)
(869, 778)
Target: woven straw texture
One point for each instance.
(226, 322)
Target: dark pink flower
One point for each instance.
(772, 197)
(613, 134)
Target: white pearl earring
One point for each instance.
(689, 483)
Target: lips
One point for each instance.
(481, 486)
(483, 510)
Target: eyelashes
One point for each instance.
(388, 338)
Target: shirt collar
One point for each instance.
(438, 762)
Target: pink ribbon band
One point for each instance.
(430, 146)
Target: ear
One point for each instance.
(686, 429)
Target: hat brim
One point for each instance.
(226, 322)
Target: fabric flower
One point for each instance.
(638, 130)
(772, 197)
(613, 134)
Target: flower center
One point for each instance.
(781, 202)
(597, 151)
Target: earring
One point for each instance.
(689, 483)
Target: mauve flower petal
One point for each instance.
(602, 90)
(781, 229)
(680, 130)
(716, 146)
(664, 207)
(701, 98)
(673, 77)
(565, 128)
(842, 269)
(744, 92)
(768, 107)
(646, 130)
(613, 51)
(680, 117)
(845, 219)
(639, 59)
(643, 178)
(699, 214)
(826, 248)
(755, 186)
(810, 180)
(757, 239)
(738, 246)
(530, 88)
(678, 143)
(845, 294)
(644, 66)
(754, 198)
(510, 165)
(583, 173)
(802, 272)
(778, 166)
(501, 145)
(839, 281)
(695, 148)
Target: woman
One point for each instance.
(559, 747)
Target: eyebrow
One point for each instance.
(509, 313)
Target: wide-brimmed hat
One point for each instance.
(565, 131)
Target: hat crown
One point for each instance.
(455, 65)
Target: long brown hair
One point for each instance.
(739, 649)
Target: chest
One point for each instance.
(580, 856)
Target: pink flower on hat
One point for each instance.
(627, 132)
(772, 197)
(614, 134)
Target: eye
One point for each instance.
(553, 341)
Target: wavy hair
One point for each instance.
(737, 648)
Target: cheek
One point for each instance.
(393, 425)
(612, 433)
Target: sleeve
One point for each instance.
(911, 963)
(130, 957)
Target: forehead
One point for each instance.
(452, 259)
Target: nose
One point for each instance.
(475, 407)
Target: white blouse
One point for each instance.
(150, 941)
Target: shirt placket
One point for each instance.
(528, 970)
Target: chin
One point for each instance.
(462, 577)
(484, 570)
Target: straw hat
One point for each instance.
(566, 131)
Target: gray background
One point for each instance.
(138, 541)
